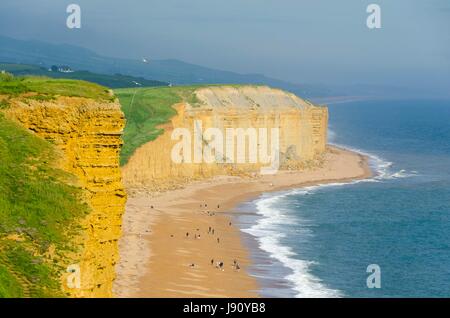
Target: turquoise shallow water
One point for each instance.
(318, 241)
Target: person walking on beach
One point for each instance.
(187, 234)
(218, 240)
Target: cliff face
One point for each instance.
(302, 135)
(89, 135)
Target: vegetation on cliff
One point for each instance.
(38, 209)
(147, 108)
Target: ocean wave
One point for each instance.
(267, 228)
(384, 170)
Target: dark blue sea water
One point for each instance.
(318, 241)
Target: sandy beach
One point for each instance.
(173, 243)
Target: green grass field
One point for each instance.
(49, 88)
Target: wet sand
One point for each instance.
(168, 243)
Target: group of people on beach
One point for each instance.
(220, 265)
(211, 231)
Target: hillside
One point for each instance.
(165, 70)
(111, 81)
(179, 72)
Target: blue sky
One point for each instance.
(316, 41)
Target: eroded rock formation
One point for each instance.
(89, 135)
(302, 134)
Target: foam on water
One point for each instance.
(267, 229)
(383, 169)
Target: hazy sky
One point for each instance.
(318, 41)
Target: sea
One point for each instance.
(330, 240)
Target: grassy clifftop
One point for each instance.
(44, 88)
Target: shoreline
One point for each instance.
(167, 250)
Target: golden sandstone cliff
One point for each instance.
(302, 135)
(88, 133)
